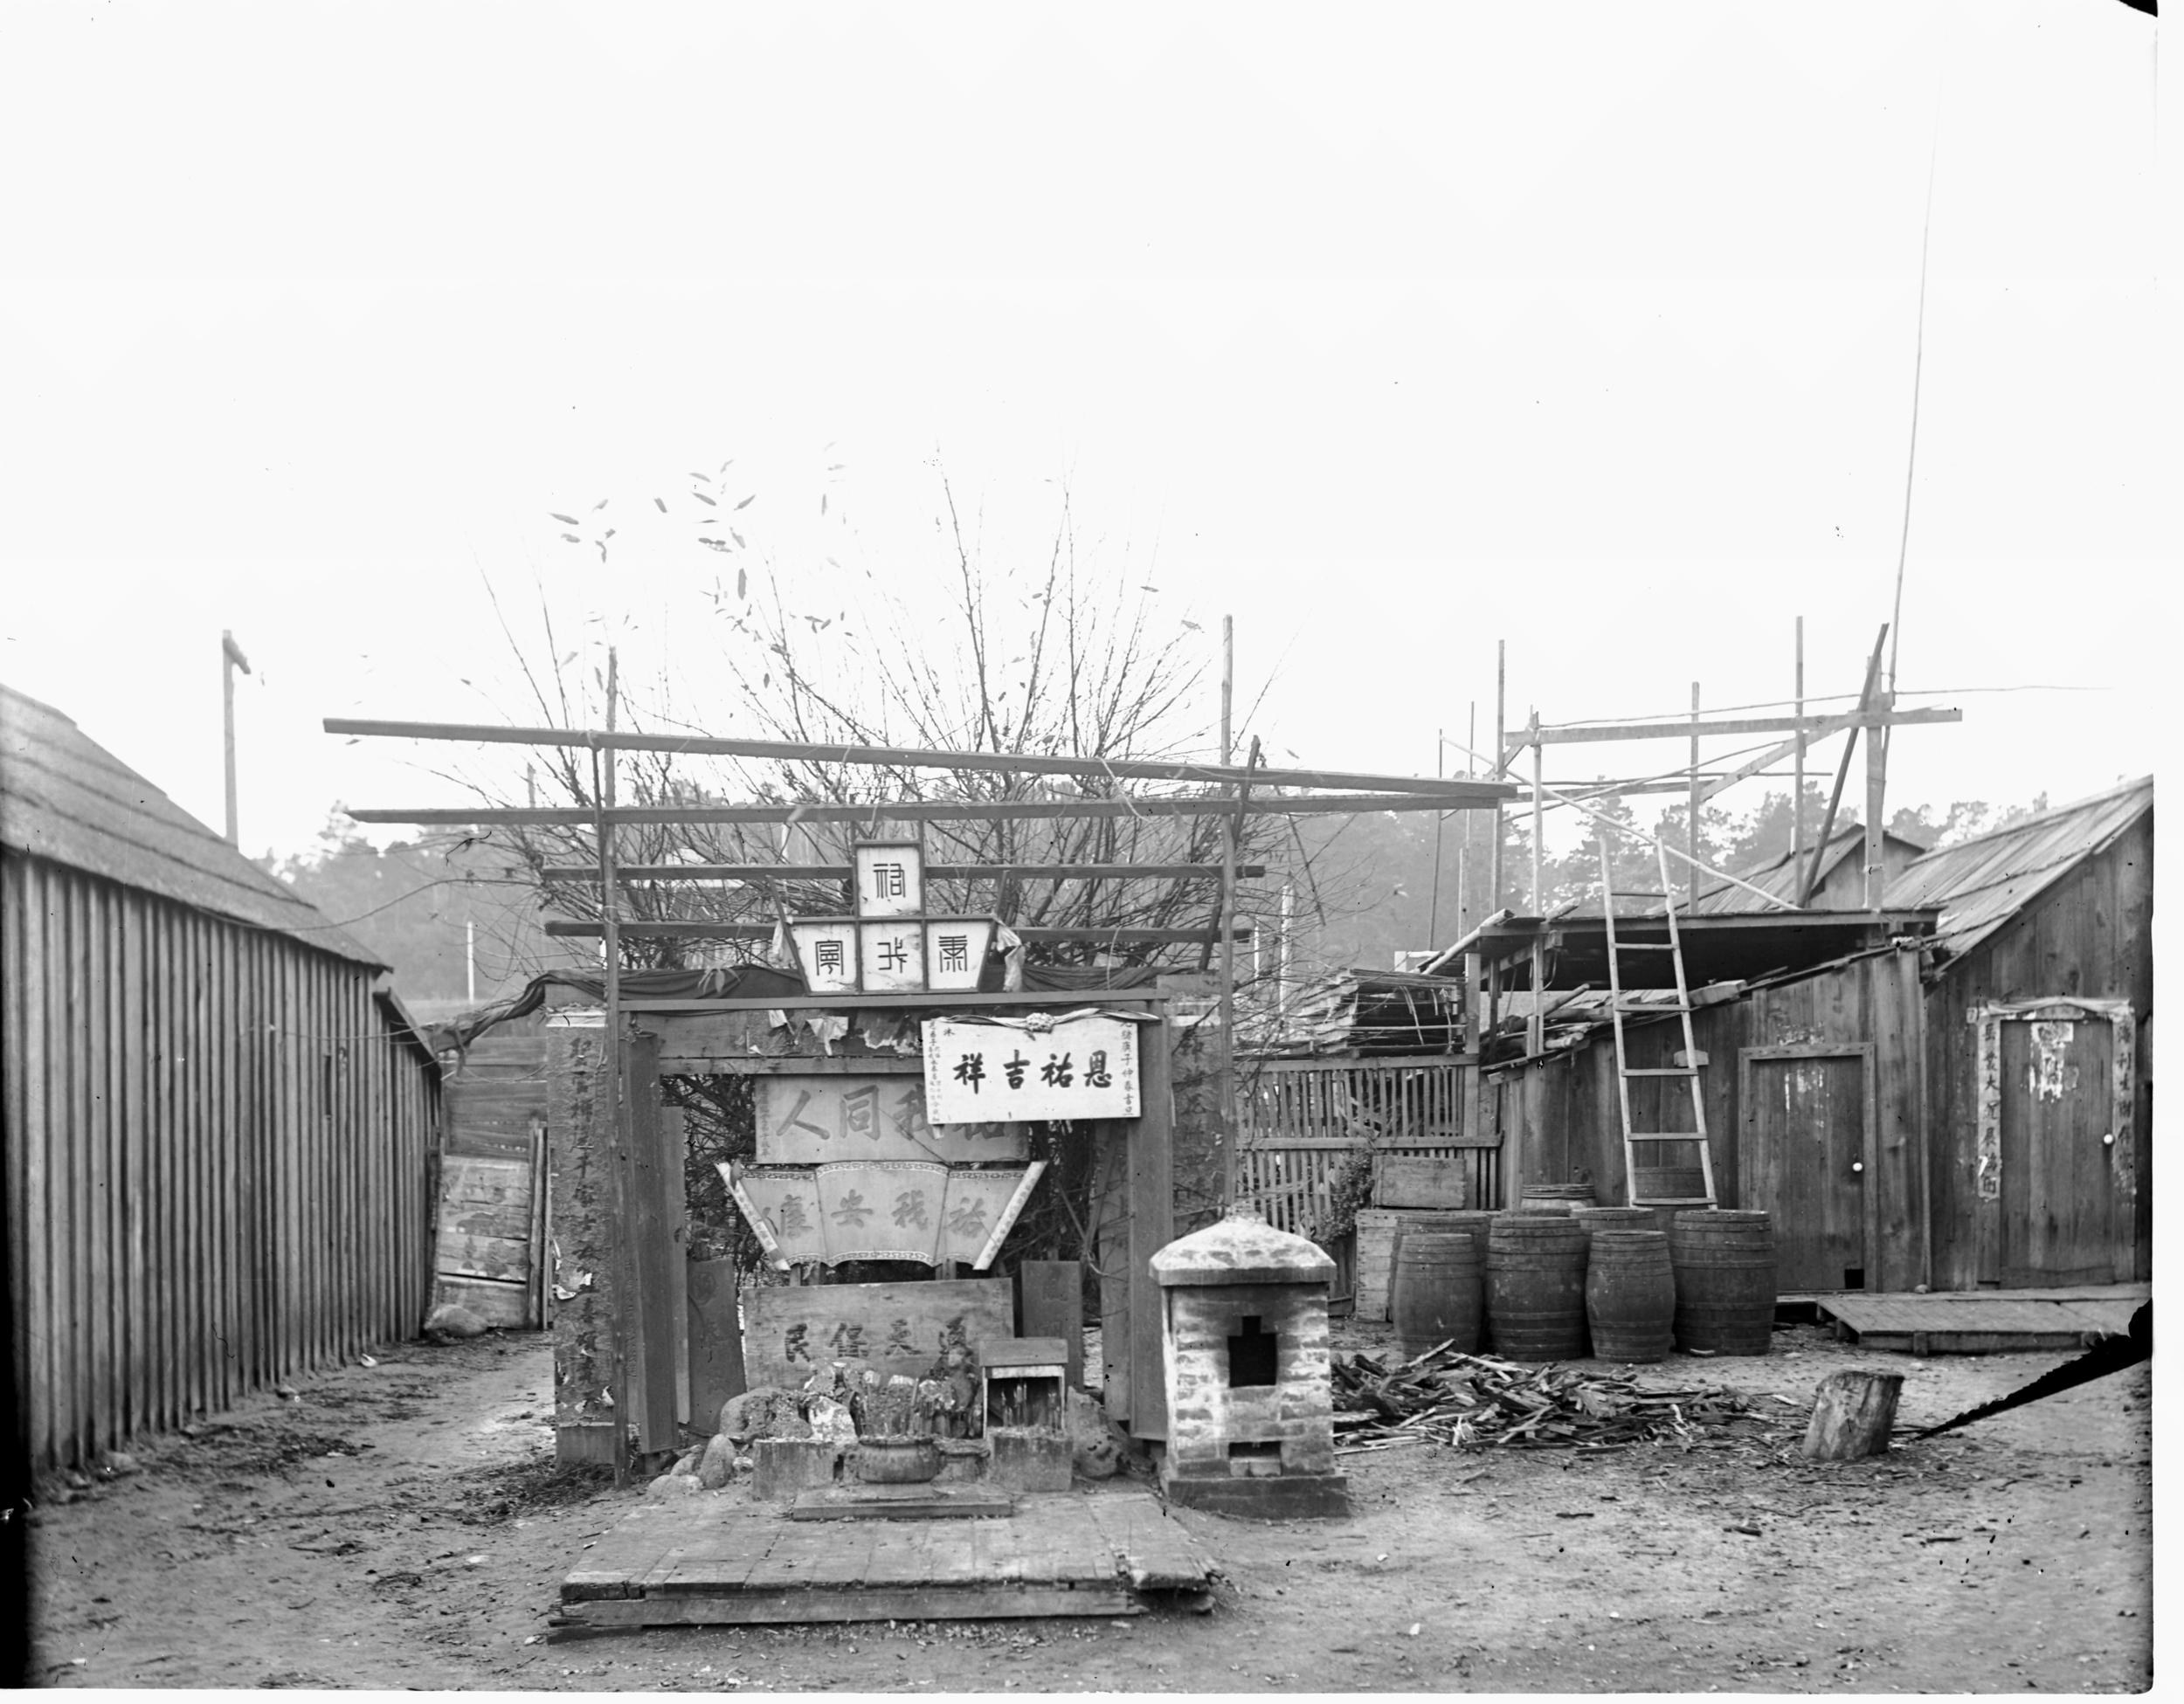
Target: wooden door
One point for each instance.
(2064, 1220)
(1808, 1124)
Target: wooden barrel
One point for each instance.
(1535, 1286)
(1408, 1222)
(1614, 1219)
(1556, 1198)
(1668, 1184)
(1473, 1222)
(1629, 1293)
(1725, 1281)
(1437, 1293)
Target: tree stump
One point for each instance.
(1853, 1414)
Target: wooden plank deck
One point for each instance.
(1983, 1322)
(721, 1559)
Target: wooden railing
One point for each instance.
(1304, 1121)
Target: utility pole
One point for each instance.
(231, 659)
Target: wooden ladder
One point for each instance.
(1640, 1188)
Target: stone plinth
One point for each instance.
(1250, 1398)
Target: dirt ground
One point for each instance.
(404, 1525)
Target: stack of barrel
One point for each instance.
(1559, 1278)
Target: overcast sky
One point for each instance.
(1392, 333)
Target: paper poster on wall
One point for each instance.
(816, 1120)
(1075, 1067)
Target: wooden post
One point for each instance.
(1690, 874)
(1853, 1413)
(1152, 1195)
(624, 1359)
(1535, 1023)
(231, 659)
(1432, 905)
(1876, 795)
(1501, 768)
(1797, 794)
(650, 1337)
(587, 1423)
(1226, 1061)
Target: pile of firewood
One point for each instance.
(1469, 1401)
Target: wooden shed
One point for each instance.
(220, 1130)
(2039, 1031)
(1953, 1092)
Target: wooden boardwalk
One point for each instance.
(718, 1557)
(1984, 1322)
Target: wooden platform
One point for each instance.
(1982, 1322)
(902, 1502)
(719, 1558)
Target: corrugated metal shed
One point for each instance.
(1981, 883)
(63, 796)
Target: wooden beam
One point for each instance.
(939, 810)
(903, 757)
(1843, 772)
(1053, 999)
(1584, 734)
(629, 872)
(575, 929)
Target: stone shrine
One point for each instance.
(1250, 1399)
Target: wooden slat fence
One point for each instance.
(1305, 1121)
(219, 1149)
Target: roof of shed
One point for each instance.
(65, 798)
(1979, 884)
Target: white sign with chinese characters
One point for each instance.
(954, 952)
(826, 948)
(893, 955)
(1083, 1067)
(890, 877)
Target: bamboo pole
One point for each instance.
(1014, 763)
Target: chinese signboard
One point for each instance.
(891, 955)
(826, 948)
(813, 1120)
(782, 1208)
(793, 1331)
(890, 877)
(882, 1210)
(954, 952)
(890, 946)
(1075, 1067)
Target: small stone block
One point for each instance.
(1291, 1496)
(783, 1466)
(1028, 1458)
(962, 1459)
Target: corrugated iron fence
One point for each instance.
(1305, 1121)
(219, 1149)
